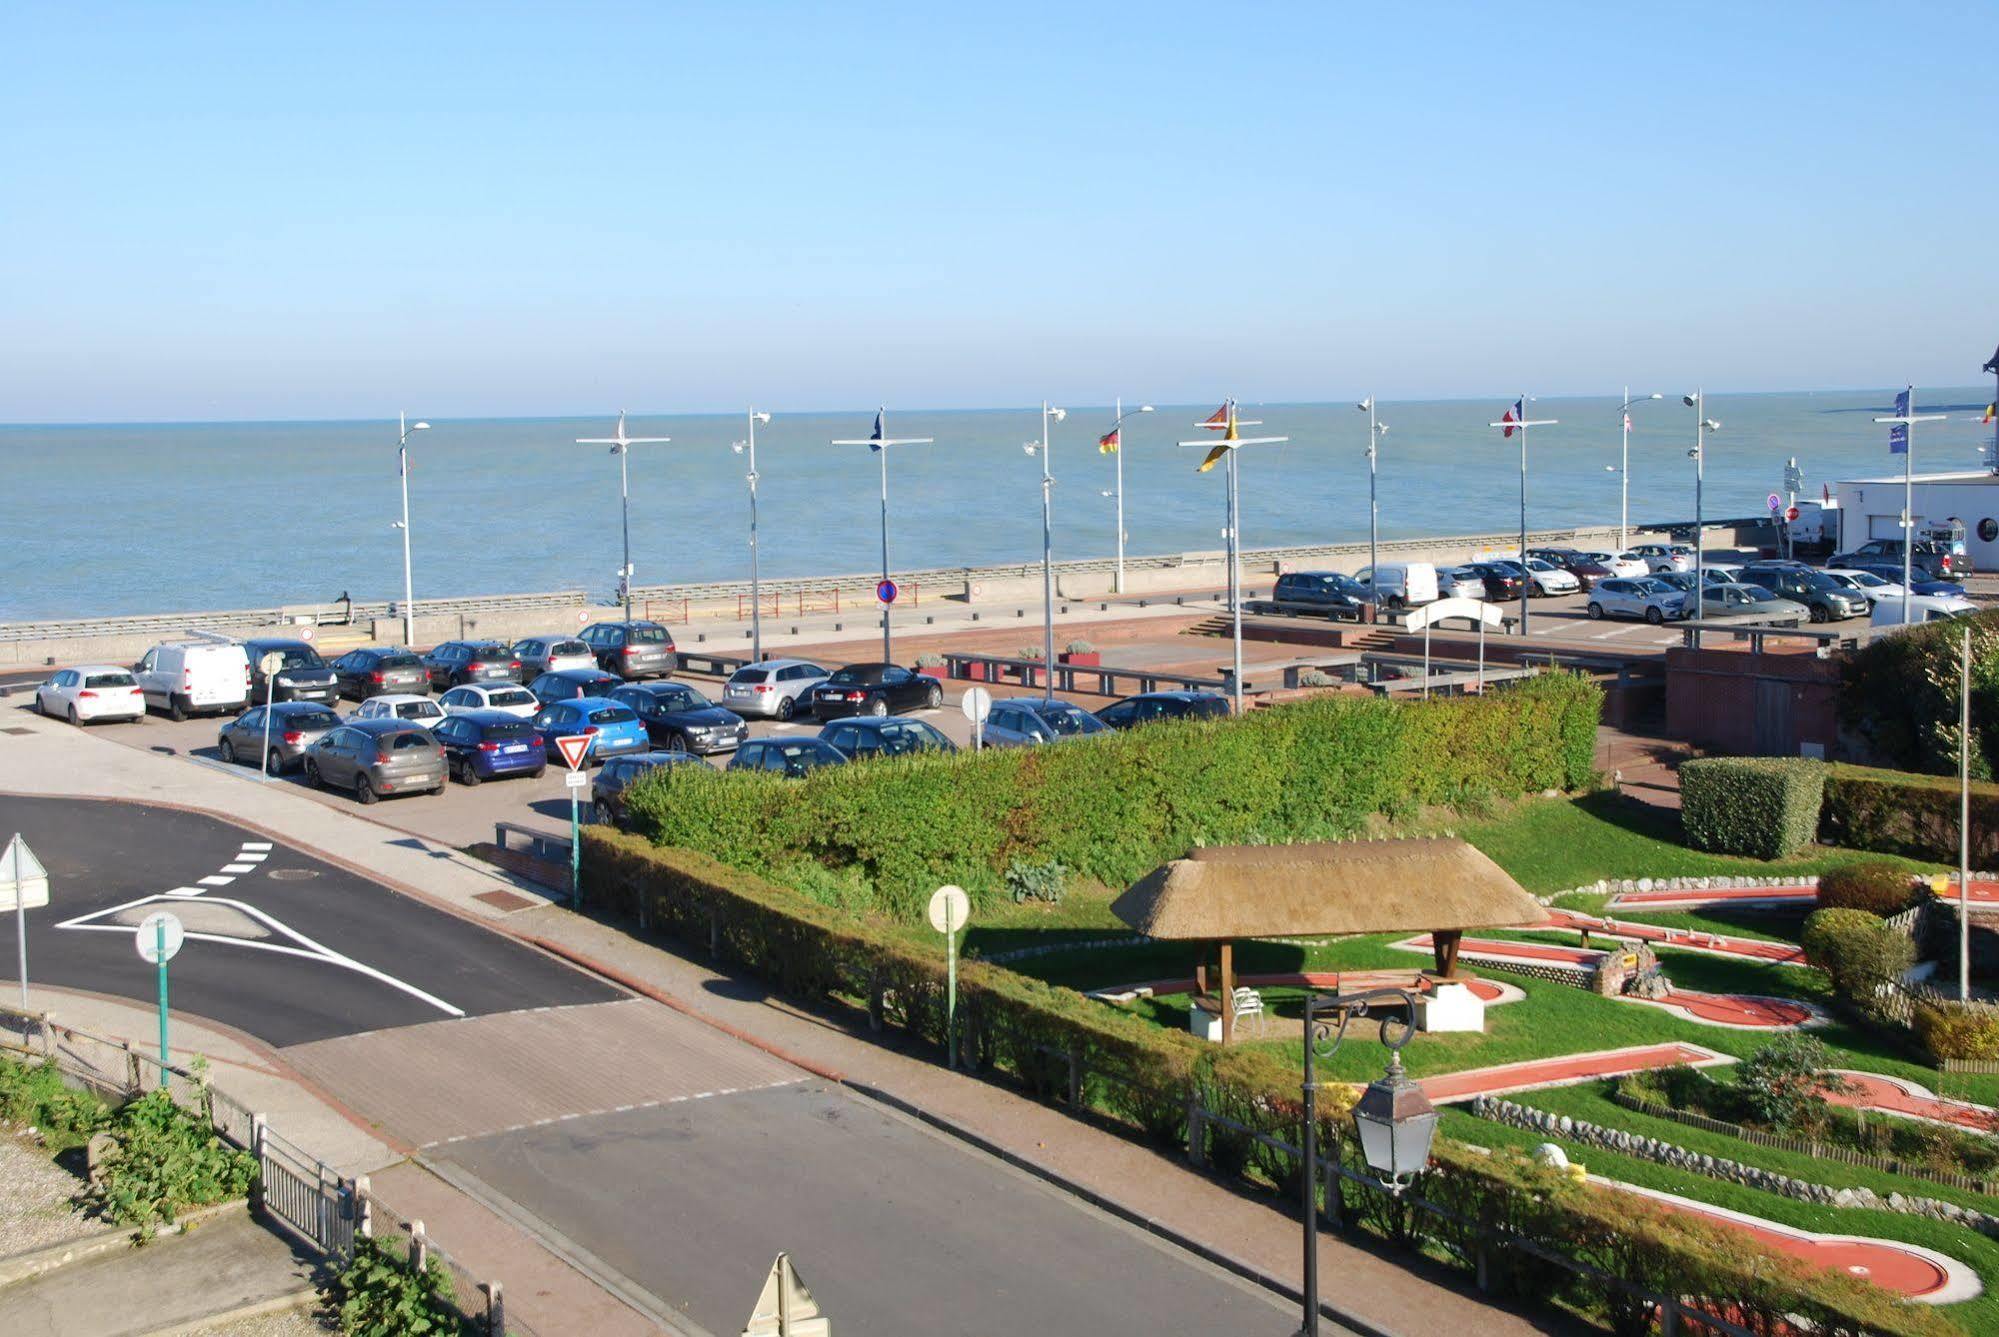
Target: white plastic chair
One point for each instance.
(1249, 1003)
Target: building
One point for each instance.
(1871, 508)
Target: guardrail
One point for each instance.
(1756, 633)
(1066, 677)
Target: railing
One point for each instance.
(712, 665)
(810, 602)
(1756, 633)
(1067, 677)
(665, 609)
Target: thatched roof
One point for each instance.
(1370, 886)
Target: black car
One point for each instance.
(303, 677)
(874, 689)
(456, 663)
(632, 649)
(614, 777)
(1330, 594)
(1502, 581)
(1150, 706)
(568, 684)
(786, 756)
(680, 719)
(379, 671)
(860, 739)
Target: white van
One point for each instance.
(1922, 608)
(195, 678)
(1401, 584)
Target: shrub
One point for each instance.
(1897, 812)
(1899, 693)
(1876, 886)
(1036, 881)
(1952, 1030)
(33, 1095)
(378, 1294)
(1857, 953)
(1079, 647)
(1115, 807)
(929, 660)
(1765, 807)
(1784, 1084)
(164, 1160)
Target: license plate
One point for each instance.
(512, 748)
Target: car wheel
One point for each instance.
(935, 698)
(364, 790)
(678, 742)
(467, 775)
(786, 707)
(1819, 613)
(274, 762)
(1596, 612)
(312, 776)
(176, 710)
(878, 707)
(74, 718)
(1654, 616)
(228, 751)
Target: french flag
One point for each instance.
(878, 434)
(1518, 413)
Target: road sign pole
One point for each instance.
(160, 946)
(951, 1001)
(21, 941)
(575, 851)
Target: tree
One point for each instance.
(1785, 1083)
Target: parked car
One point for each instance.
(632, 650)
(1646, 597)
(1549, 580)
(609, 785)
(379, 669)
(293, 726)
(1148, 707)
(611, 727)
(1022, 721)
(775, 689)
(568, 684)
(187, 678)
(1459, 582)
(1921, 608)
(1501, 582)
(786, 756)
(680, 719)
(90, 693)
(1890, 573)
(1751, 603)
(304, 676)
(400, 706)
(375, 758)
(455, 663)
(1316, 594)
(1584, 567)
(1934, 560)
(552, 654)
(860, 739)
(1828, 600)
(1683, 581)
(1400, 584)
(487, 744)
(1664, 556)
(507, 697)
(1626, 565)
(875, 689)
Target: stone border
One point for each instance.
(34, 1262)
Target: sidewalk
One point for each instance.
(1647, 769)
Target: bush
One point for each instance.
(1036, 881)
(33, 1095)
(378, 1294)
(1784, 1084)
(1952, 1030)
(1857, 953)
(1900, 694)
(164, 1160)
(1764, 807)
(1896, 812)
(928, 660)
(1876, 886)
(1079, 647)
(1113, 808)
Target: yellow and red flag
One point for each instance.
(1108, 443)
(1991, 411)
(1220, 418)
(1224, 419)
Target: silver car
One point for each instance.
(1645, 597)
(775, 688)
(376, 757)
(1751, 603)
(292, 727)
(551, 654)
(1027, 720)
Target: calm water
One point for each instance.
(154, 518)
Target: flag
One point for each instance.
(1992, 364)
(1518, 413)
(1229, 436)
(1108, 443)
(1991, 411)
(402, 461)
(1217, 420)
(1627, 422)
(1898, 433)
(876, 437)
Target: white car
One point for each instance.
(90, 693)
(1921, 608)
(1550, 579)
(1623, 565)
(776, 688)
(1868, 584)
(399, 706)
(505, 697)
(1665, 556)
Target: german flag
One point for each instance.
(1226, 414)
(1220, 418)
(1108, 443)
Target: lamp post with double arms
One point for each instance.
(404, 427)
(621, 446)
(879, 441)
(1393, 1118)
(1624, 471)
(756, 588)
(1225, 421)
(1697, 401)
(1112, 443)
(1040, 448)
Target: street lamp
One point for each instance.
(1047, 548)
(621, 446)
(404, 428)
(1515, 420)
(1112, 443)
(879, 441)
(756, 601)
(1624, 470)
(1697, 401)
(1376, 429)
(1394, 1119)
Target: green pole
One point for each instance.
(951, 1000)
(160, 951)
(575, 852)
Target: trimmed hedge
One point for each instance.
(1900, 812)
(1951, 1030)
(1113, 808)
(1764, 807)
(1858, 954)
(1149, 1077)
(1900, 694)
(1874, 885)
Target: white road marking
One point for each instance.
(184, 891)
(248, 855)
(216, 880)
(263, 845)
(239, 868)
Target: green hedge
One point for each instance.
(1899, 812)
(1764, 807)
(1953, 1030)
(1113, 808)
(1881, 887)
(1900, 694)
(1148, 1077)
(1857, 952)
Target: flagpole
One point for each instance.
(1235, 574)
(879, 442)
(1624, 477)
(1906, 419)
(1526, 577)
(1117, 411)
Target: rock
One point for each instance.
(1552, 1156)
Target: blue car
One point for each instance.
(612, 729)
(488, 744)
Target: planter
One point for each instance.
(1082, 658)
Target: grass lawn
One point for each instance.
(1975, 1250)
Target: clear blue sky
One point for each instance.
(490, 209)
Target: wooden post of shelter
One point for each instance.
(1228, 991)
(1444, 943)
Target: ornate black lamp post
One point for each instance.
(1394, 1119)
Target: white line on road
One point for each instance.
(239, 868)
(216, 880)
(263, 845)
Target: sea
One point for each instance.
(160, 517)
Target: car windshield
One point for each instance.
(1069, 720)
(506, 729)
(1757, 594)
(569, 648)
(900, 736)
(397, 660)
(680, 698)
(1866, 580)
(1651, 585)
(646, 635)
(610, 715)
(510, 696)
(803, 754)
(1345, 584)
(403, 742)
(299, 656)
(417, 710)
(757, 674)
(310, 719)
(1539, 564)
(854, 677)
(118, 679)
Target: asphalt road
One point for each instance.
(288, 948)
(897, 1231)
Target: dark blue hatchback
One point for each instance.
(488, 744)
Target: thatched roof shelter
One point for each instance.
(1221, 893)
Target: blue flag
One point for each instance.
(878, 434)
(1898, 433)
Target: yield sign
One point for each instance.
(574, 748)
(786, 1308)
(24, 883)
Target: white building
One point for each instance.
(1871, 508)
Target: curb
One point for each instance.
(52, 1257)
(277, 1304)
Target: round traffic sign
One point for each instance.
(1791, 514)
(978, 704)
(886, 591)
(950, 907)
(148, 938)
(270, 664)
(1776, 502)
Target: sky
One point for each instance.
(214, 212)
